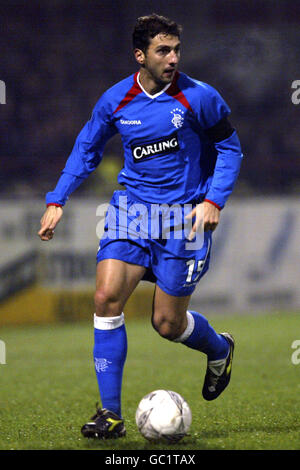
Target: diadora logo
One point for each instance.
(134, 122)
(178, 117)
(161, 147)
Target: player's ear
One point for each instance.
(139, 56)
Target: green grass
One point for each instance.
(48, 387)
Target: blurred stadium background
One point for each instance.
(56, 59)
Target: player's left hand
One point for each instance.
(207, 218)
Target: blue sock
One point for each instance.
(201, 336)
(110, 350)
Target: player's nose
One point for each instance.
(173, 58)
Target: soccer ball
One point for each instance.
(163, 415)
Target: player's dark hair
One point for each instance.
(147, 27)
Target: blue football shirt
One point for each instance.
(168, 157)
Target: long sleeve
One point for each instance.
(213, 118)
(86, 154)
(226, 170)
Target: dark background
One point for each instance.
(58, 57)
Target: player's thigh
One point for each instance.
(169, 312)
(115, 281)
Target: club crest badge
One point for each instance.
(101, 364)
(178, 117)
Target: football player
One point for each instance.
(181, 150)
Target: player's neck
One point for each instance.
(149, 84)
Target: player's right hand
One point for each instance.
(49, 221)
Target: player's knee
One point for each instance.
(166, 328)
(107, 302)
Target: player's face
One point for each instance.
(161, 58)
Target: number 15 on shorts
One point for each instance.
(191, 263)
(195, 267)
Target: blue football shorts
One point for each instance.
(136, 233)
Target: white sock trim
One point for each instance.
(189, 329)
(108, 323)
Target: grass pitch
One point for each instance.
(48, 386)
